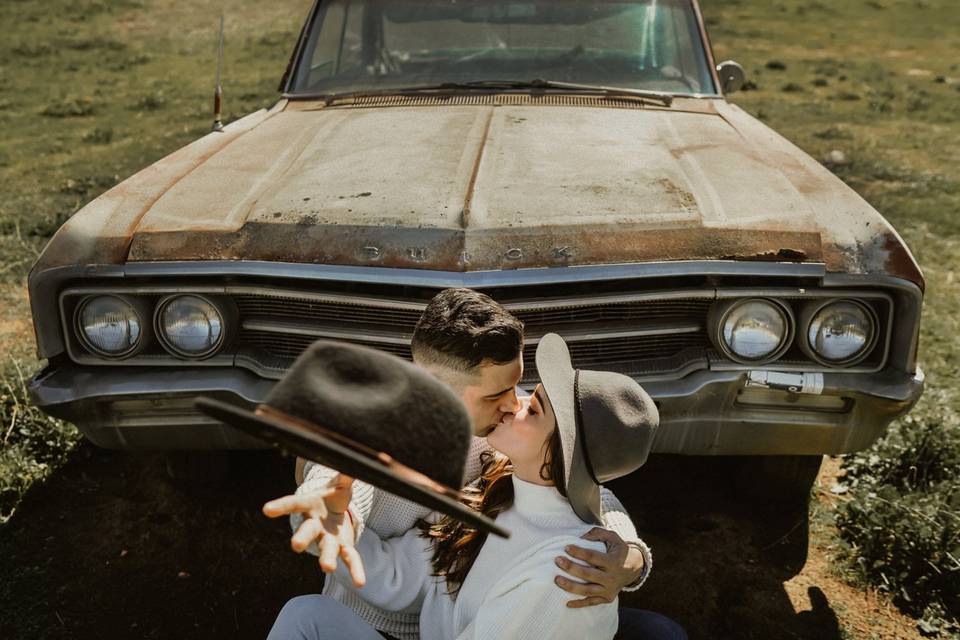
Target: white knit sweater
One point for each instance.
(391, 516)
(509, 591)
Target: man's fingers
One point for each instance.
(587, 602)
(587, 574)
(599, 534)
(310, 530)
(578, 588)
(595, 558)
(602, 591)
(355, 565)
(306, 503)
(283, 506)
(312, 503)
(329, 550)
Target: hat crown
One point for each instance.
(374, 398)
(618, 420)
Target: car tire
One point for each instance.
(773, 481)
(778, 490)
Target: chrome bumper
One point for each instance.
(705, 413)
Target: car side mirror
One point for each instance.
(731, 75)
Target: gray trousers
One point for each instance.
(318, 617)
(321, 618)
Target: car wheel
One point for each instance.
(773, 481)
(778, 490)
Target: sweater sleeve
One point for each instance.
(525, 603)
(397, 570)
(317, 477)
(616, 519)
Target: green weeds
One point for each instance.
(902, 524)
(32, 444)
(69, 108)
(99, 135)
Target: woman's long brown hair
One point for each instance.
(456, 545)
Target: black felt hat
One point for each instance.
(606, 423)
(371, 416)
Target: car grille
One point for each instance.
(650, 330)
(643, 334)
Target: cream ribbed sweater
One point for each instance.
(510, 590)
(390, 516)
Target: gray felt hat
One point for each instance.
(606, 423)
(372, 416)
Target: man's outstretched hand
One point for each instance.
(326, 522)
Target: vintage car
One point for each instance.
(576, 160)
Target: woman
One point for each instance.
(578, 429)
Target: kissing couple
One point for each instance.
(534, 467)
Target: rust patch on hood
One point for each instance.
(884, 252)
(478, 250)
(781, 255)
(900, 262)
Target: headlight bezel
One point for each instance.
(718, 318)
(810, 312)
(167, 343)
(139, 311)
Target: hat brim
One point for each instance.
(316, 447)
(559, 380)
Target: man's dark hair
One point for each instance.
(461, 328)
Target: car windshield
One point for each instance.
(380, 45)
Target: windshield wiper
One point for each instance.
(665, 99)
(539, 83)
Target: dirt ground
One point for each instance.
(728, 568)
(111, 547)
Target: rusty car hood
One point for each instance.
(479, 187)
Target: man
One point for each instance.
(469, 341)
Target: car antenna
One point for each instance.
(218, 92)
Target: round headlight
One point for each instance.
(754, 330)
(190, 326)
(109, 326)
(841, 332)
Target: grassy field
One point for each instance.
(93, 90)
